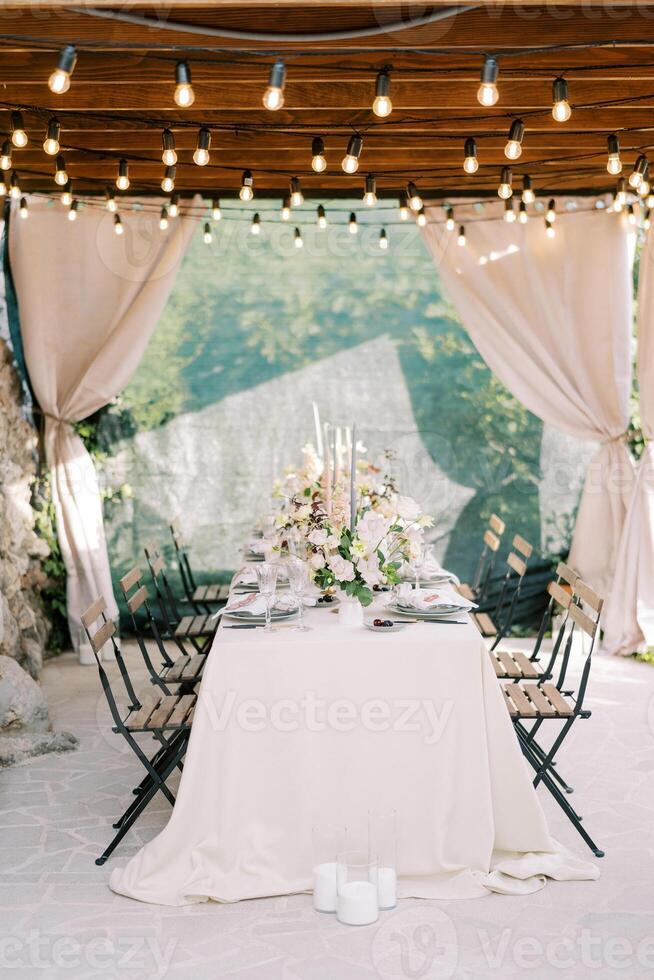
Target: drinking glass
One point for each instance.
(417, 562)
(298, 580)
(328, 841)
(357, 901)
(267, 578)
(382, 843)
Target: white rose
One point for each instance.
(318, 537)
(342, 568)
(317, 561)
(373, 527)
(408, 509)
(302, 513)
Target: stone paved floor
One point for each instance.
(58, 918)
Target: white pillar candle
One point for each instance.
(324, 887)
(357, 903)
(387, 888)
(316, 422)
(353, 481)
(326, 473)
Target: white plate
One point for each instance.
(441, 612)
(385, 629)
(246, 617)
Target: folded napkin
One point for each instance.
(430, 569)
(255, 604)
(247, 575)
(257, 546)
(425, 599)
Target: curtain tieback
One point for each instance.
(57, 418)
(623, 437)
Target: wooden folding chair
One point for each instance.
(476, 592)
(167, 718)
(537, 703)
(185, 671)
(497, 624)
(203, 598)
(198, 630)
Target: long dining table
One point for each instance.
(294, 730)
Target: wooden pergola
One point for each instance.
(121, 92)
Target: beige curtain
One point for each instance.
(88, 302)
(552, 319)
(629, 616)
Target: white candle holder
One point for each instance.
(382, 843)
(357, 899)
(328, 841)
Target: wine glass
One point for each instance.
(298, 580)
(417, 561)
(267, 578)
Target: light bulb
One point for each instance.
(273, 97)
(318, 161)
(285, 213)
(561, 110)
(645, 186)
(647, 221)
(18, 134)
(298, 239)
(173, 207)
(255, 227)
(350, 162)
(122, 179)
(184, 94)
(631, 214)
(551, 210)
(246, 192)
(352, 224)
(487, 93)
(118, 225)
(67, 194)
(528, 195)
(639, 171)
(614, 163)
(650, 201)
(14, 191)
(509, 213)
(5, 156)
(504, 190)
(322, 217)
(415, 201)
(23, 208)
(370, 192)
(111, 200)
(51, 141)
(207, 236)
(513, 148)
(404, 208)
(168, 180)
(163, 219)
(523, 217)
(72, 213)
(621, 192)
(3, 187)
(382, 105)
(216, 213)
(59, 81)
(461, 240)
(383, 240)
(449, 219)
(549, 229)
(61, 177)
(168, 156)
(201, 155)
(421, 218)
(297, 197)
(470, 161)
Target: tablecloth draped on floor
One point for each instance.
(413, 721)
(552, 318)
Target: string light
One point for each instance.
(647, 221)
(370, 192)
(513, 148)
(122, 178)
(614, 163)
(168, 156)
(5, 156)
(383, 240)
(110, 196)
(528, 195)
(299, 243)
(645, 185)
(72, 211)
(350, 162)
(273, 97)
(449, 218)
(201, 155)
(650, 201)
(382, 105)
(285, 213)
(67, 194)
(61, 177)
(59, 81)
(51, 141)
(549, 228)
(353, 226)
(421, 218)
(168, 180)
(561, 110)
(173, 207)
(118, 225)
(184, 94)
(3, 187)
(163, 218)
(24, 211)
(297, 197)
(255, 227)
(523, 217)
(509, 213)
(470, 161)
(631, 214)
(246, 192)
(487, 93)
(404, 207)
(18, 134)
(322, 217)
(461, 240)
(637, 174)
(551, 210)
(216, 213)
(506, 179)
(318, 161)
(207, 236)
(415, 201)
(621, 193)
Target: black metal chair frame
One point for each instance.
(171, 616)
(207, 602)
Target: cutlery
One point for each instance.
(243, 626)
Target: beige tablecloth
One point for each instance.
(299, 729)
